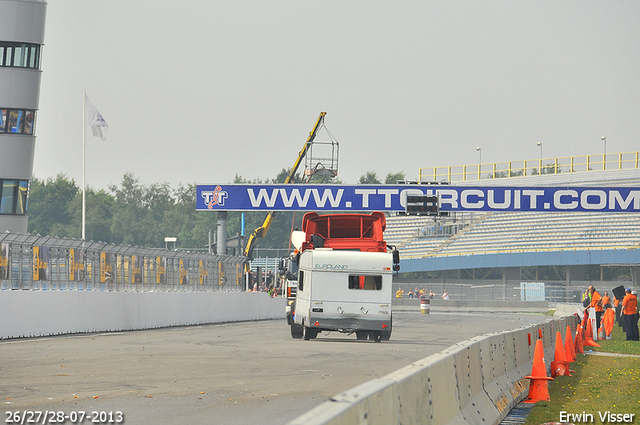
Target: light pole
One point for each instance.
(540, 162)
(604, 157)
(479, 161)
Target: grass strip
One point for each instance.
(600, 384)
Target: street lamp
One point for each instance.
(540, 144)
(540, 162)
(604, 157)
(479, 161)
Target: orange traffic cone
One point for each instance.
(559, 365)
(538, 387)
(578, 342)
(585, 320)
(569, 350)
(601, 334)
(588, 336)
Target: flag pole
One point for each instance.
(84, 137)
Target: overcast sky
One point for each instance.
(199, 91)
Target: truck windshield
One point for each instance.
(292, 269)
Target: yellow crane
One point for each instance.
(261, 231)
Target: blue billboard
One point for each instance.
(289, 197)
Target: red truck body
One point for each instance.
(361, 232)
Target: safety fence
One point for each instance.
(34, 262)
(552, 292)
(532, 167)
(477, 381)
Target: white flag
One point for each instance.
(98, 125)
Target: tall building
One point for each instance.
(21, 40)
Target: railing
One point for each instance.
(48, 263)
(570, 164)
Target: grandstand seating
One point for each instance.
(502, 232)
(514, 232)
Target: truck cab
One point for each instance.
(288, 270)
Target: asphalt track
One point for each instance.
(236, 373)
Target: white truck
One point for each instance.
(347, 287)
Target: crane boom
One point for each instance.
(261, 231)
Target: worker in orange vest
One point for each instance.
(596, 302)
(630, 313)
(606, 301)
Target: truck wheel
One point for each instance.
(375, 336)
(310, 333)
(296, 331)
(361, 335)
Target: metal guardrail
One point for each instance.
(34, 262)
(531, 167)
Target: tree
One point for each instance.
(279, 232)
(191, 227)
(550, 168)
(282, 176)
(135, 214)
(395, 177)
(371, 177)
(98, 217)
(49, 202)
(138, 212)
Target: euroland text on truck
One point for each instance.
(339, 277)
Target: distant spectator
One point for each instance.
(399, 293)
(432, 294)
(445, 295)
(619, 318)
(410, 294)
(596, 303)
(630, 313)
(606, 301)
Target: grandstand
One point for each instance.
(515, 232)
(512, 240)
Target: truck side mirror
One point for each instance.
(396, 260)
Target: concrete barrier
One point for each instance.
(40, 313)
(472, 306)
(568, 309)
(477, 381)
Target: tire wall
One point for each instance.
(477, 381)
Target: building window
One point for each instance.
(13, 196)
(17, 121)
(20, 55)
